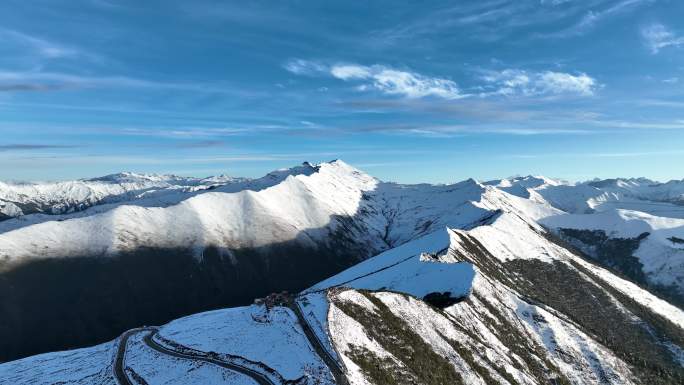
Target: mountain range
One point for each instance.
(525, 280)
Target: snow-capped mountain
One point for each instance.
(479, 278)
(213, 248)
(17, 199)
(633, 226)
(23, 204)
(641, 194)
(450, 307)
(294, 207)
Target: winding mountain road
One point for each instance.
(120, 360)
(123, 379)
(334, 366)
(256, 376)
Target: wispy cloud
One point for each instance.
(493, 20)
(448, 131)
(137, 160)
(438, 21)
(186, 133)
(208, 132)
(644, 125)
(39, 46)
(54, 81)
(657, 36)
(413, 85)
(555, 2)
(592, 17)
(30, 146)
(520, 82)
(660, 103)
(396, 82)
(389, 81)
(45, 81)
(547, 124)
(623, 154)
(473, 108)
(202, 144)
(35, 87)
(305, 67)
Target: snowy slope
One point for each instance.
(661, 256)
(412, 268)
(158, 368)
(569, 351)
(471, 287)
(82, 366)
(479, 337)
(521, 186)
(609, 216)
(272, 337)
(643, 188)
(504, 329)
(641, 194)
(299, 203)
(314, 222)
(511, 238)
(17, 199)
(171, 190)
(221, 219)
(496, 310)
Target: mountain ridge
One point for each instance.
(476, 338)
(287, 231)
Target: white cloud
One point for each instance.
(413, 85)
(347, 72)
(555, 2)
(520, 82)
(657, 37)
(396, 82)
(305, 67)
(560, 82)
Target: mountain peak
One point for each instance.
(335, 163)
(622, 182)
(528, 181)
(132, 177)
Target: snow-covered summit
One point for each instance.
(529, 181)
(132, 177)
(25, 198)
(626, 183)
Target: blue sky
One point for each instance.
(408, 91)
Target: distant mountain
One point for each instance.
(495, 282)
(629, 225)
(17, 199)
(660, 199)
